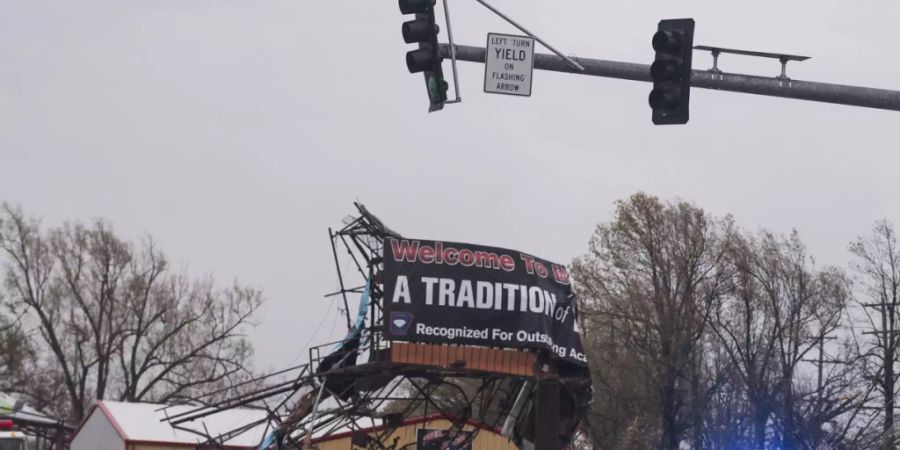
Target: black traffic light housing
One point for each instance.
(426, 59)
(671, 71)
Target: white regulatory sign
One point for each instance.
(509, 64)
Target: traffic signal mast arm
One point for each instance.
(748, 84)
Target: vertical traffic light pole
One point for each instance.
(703, 79)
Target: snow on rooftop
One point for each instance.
(143, 422)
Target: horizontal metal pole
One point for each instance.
(749, 84)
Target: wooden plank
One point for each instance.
(494, 365)
(412, 353)
(478, 358)
(503, 361)
(418, 354)
(443, 356)
(425, 353)
(395, 353)
(456, 355)
(406, 351)
(486, 357)
(521, 361)
(508, 361)
(409, 357)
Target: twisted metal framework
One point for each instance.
(349, 382)
(50, 434)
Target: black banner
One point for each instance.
(427, 439)
(451, 293)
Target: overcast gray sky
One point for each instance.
(236, 132)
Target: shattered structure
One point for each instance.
(371, 376)
(48, 433)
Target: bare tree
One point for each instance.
(181, 336)
(656, 271)
(624, 412)
(878, 267)
(115, 322)
(779, 309)
(747, 336)
(702, 335)
(15, 353)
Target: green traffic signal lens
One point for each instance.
(433, 91)
(437, 89)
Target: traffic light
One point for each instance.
(671, 71)
(424, 31)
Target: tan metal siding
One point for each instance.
(158, 447)
(484, 440)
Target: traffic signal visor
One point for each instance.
(416, 6)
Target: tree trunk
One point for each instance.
(789, 433)
(697, 403)
(760, 423)
(889, 378)
(670, 438)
